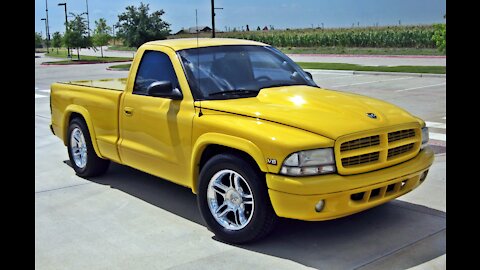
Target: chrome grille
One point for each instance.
(400, 135)
(360, 143)
(362, 159)
(399, 150)
(376, 149)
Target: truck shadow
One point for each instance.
(396, 235)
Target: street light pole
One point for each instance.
(47, 25)
(66, 25)
(88, 20)
(46, 33)
(113, 28)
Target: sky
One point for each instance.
(280, 13)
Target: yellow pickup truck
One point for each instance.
(247, 130)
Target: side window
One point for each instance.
(154, 66)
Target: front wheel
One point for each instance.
(233, 200)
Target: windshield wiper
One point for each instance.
(237, 91)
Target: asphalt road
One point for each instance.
(127, 219)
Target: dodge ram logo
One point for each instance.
(372, 115)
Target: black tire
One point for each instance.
(263, 217)
(94, 165)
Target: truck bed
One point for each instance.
(110, 84)
(97, 101)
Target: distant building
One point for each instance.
(193, 30)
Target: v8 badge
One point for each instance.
(271, 161)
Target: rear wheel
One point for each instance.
(233, 200)
(82, 156)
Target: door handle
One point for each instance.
(128, 111)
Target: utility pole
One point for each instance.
(213, 18)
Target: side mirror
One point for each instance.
(164, 89)
(309, 75)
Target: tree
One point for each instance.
(76, 35)
(38, 40)
(57, 40)
(136, 26)
(101, 35)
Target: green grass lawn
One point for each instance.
(62, 53)
(341, 66)
(120, 67)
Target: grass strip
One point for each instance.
(84, 59)
(343, 66)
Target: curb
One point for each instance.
(82, 63)
(118, 69)
(354, 72)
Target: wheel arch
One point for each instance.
(211, 144)
(75, 111)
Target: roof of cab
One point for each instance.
(188, 43)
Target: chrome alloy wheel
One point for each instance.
(78, 148)
(230, 200)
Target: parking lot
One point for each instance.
(128, 219)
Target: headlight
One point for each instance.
(425, 137)
(310, 162)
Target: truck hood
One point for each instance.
(325, 112)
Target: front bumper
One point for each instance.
(296, 197)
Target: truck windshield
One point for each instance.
(225, 72)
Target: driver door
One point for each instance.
(155, 132)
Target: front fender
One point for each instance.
(225, 140)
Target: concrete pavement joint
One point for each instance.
(399, 249)
(431, 213)
(350, 84)
(42, 116)
(420, 87)
(53, 189)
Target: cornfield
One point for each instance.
(419, 36)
